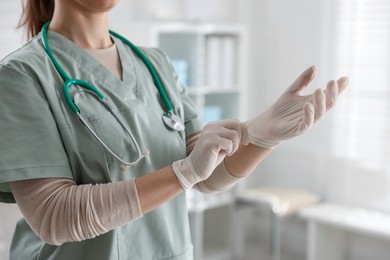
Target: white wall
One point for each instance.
(11, 39)
(298, 34)
(290, 40)
(287, 37)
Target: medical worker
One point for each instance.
(77, 199)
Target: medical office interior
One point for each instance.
(323, 195)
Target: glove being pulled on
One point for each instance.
(216, 141)
(292, 114)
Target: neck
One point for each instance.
(86, 29)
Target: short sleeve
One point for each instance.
(31, 146)
(192, 120)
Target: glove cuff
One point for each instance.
(249, 135)
(244, 134)
(185, 173)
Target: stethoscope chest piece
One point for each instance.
(172, 121)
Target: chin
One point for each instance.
(97, 5)
(105, 5)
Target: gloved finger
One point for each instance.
(239, 129)
(222, 145)
(342, 84)
(230, 129)
(302, 81)
(226, 123)
(307, 118)
(319, 103)
(228, 134)
(331, 93)
(233, 124)
(233, 135)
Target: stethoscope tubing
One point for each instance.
(151, 68)
(169, 118)
(107, 105)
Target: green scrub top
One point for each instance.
(42, 138)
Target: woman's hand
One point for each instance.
(293, 114)
(216, 141)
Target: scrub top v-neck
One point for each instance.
(47, 140)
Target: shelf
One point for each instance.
(209, 60)
(196, 28)
(205, 90)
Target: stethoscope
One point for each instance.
(171, 120)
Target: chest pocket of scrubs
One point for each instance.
(108, 129)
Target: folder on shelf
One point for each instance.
(221, 61)
(181, 69)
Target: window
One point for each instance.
(362, 129)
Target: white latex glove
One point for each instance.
(216, 141)
(292, 114)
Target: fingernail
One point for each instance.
(345, 80)
(312, 70)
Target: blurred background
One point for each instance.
(236, 57)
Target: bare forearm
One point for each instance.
(245, 159)
(156, 188)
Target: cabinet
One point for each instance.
(330, 227)
(209, 60)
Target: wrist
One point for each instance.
(254, 134)
(245, 134)
(185, 173)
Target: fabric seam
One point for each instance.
(35, 167)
